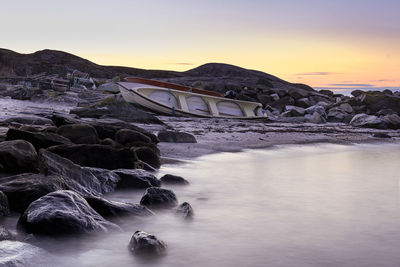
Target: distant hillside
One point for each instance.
(212, 76)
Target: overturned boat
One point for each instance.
(179, 100)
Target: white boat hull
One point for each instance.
(181, 103)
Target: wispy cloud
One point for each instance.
(182, 63)
(352, 84)
(318, 73)
(384, 80)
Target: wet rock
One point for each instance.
(144, 244)
(79, 133)
(317, 118)
(4, 206)
(387, 92)
(21, 190)
(155, 197)
(185, 210)
(148, 156)
(367, 121)
(293, 111)
(37, 139)
(337, 115)
(110, 142)
(15, 254)
(176, 137)
(356, 93)
(326, 92)
(64, 119)
(5, 235)
(382, 135)
(126, 136)
(85, 181)
(18, 156)
(346, 107)
(384, 112)
(114, 209)
(29, 120)
(63, 213)
(173, 179)
(375, 101)
(136, 179)
(99, 156)
(316, 108)
(392, 121)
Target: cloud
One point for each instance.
(182, 63)
(384, 80)
(318, 73)
(351, 84)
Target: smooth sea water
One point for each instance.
(314, 205)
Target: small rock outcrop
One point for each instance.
(176, 137)
(79, 133)
(173, 179)
(144, 244)
(185, 210)
(126, 136)
(63, 213)
(37, 139)
(18, 156)
(136, 179)
(156, 197)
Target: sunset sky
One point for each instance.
(341, 43)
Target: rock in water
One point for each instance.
(148, 155)
(155, 197)
(15, 253)
(173, 179)
(185, 210)
(79, 133)
(18, 156)
(23, 189)
(126, 136)
(63, 213)
(114, 209)
(144, 244)
(4, 206)
(37, 139)
(176, 137)
(136, 179)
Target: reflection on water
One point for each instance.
(324, 205)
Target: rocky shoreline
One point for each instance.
(62, 152)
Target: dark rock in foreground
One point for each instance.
(144, 244)
(176, 137)
(23, 189)
(155, 197)
(126, 136)
(4, 206)
(79, 133)
(185, 210)
(63, 213)
(99, 156)
(114, 209)
(173, 179)
(136, 179)
(382, 135)
(37, 139)
(18, 156)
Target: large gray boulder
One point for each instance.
(375, 101)
(367, 121)
(37, 139)
(63, 213)
(18, 156)
(79, 133)
(316, 108)
(21, 190)
(144, 244)
(392, 121)
(156, 197)
(136, 179)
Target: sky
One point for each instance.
(333, 44)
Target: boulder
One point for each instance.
(156, 197)
(375, 101)
(346, 108)
(317, 118)
(110, 142)
(99, 156)
(293, 111)
(18, 156)
(21, 190)
(275, 97)
(381, 135)
(109, 88)
(37, 139)
(326, 92)
(126, 136)
(136, 179)
(148, 156)
(63, 213)
(79, 133)
(384, 112)
(316, 108)
(387, 92)
(356, 93)
(392, 121)
(85, 181)
(185, 210)
(304, 102)
(28, 119)
(282, 102)
(144, 244)
(298, 93)
(60, 119)
(337, 115)
(15, 254)
(5, 235)
(173, 179)
(176, 137)
(367, 121)
(114, 209)
(4, 206)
